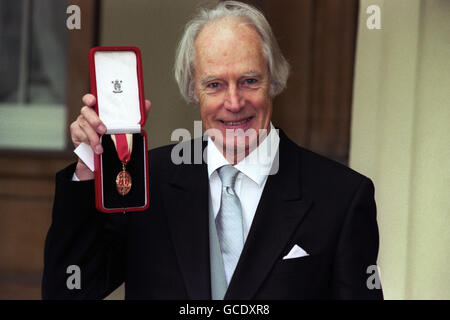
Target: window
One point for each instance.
(33, 69)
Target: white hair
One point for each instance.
(185, 55)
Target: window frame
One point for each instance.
(79, 43)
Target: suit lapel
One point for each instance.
(186, 201)
(280, 211)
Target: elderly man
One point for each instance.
(229, 228)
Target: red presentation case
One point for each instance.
(116, 80)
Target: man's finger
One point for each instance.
(92, 136)
(89, 100)
(77, 134)
(148, 106)
(93, 119)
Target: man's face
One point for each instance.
(232, 82)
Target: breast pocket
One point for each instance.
(300, 264)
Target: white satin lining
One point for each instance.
(119, 111)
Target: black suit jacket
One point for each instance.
(163, 253)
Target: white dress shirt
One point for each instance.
(253, 172)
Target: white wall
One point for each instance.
(400, 138)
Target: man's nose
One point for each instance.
(234, 100)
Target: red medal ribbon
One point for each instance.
(123, 151)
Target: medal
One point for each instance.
(123, 181)
(124, 145)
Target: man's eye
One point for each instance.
(213, 85)
(250, 81)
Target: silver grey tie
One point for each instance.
(229, 221)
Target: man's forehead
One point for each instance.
(228, 47)
(227, 32)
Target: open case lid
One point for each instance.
(117, 83)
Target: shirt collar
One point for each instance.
(256, 165)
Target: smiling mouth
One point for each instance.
(236, 123)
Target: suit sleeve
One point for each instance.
(357, 249)
(81, 236)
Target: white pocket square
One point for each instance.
(296, 252)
